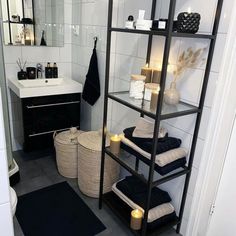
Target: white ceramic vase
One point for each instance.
(172, 95)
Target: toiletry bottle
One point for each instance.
(129, 24)
(55, 70)
(48, 71)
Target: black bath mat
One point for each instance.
(56, 211)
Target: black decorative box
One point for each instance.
(188, 22)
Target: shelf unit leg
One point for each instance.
(108, 55)
(159, 105)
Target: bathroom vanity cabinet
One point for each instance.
(42, 116)
(48, 106)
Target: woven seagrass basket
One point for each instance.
(89, 161)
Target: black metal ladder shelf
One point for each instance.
(162, 112)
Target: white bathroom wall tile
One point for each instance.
(142, 46)
(204, 123)
(193, 180)
(198, 153)
(121, 14)
(189, 85)
(218, 53)
(120, 85)
(132, 7)
(211, 89)
(225, 16)
(177, 133)
(11, 54)
(40, 54)
(187, 208)
(65, 53)
(185, 123)
(11, 70)
(184, 225)
(100, 13)
(64, 70)
(127, 44)
(126, 66)
(175, 189)
(87, 9)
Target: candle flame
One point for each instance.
(189, 9)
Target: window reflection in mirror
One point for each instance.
(33, 22)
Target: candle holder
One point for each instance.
(136, 219)
(115, 144)
(188, 22)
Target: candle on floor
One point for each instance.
(115, 144)
(156, 77)
(146, 71)
(136, 219)
(154, 99)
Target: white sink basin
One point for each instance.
(32, 83)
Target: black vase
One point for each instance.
(188, 22)
(22, 75)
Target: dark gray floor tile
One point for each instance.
(37, 173)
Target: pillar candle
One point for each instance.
(136, 219)
(156, 77)
(115, 144)
(154, 99)
(146, 71)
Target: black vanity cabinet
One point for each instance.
(42, 116)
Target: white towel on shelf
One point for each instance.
(145, 128)
(153, 214)
(161, 159)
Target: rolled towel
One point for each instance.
(153, 214)
(161, 159)
(145, 128)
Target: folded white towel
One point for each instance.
(145, 128)
(153, 214)
(161, 159)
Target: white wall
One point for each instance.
(128, 55)
(6, 224)
(34, 55)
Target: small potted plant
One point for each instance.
(188, 59)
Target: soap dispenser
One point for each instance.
(55, 70)
(48, 71)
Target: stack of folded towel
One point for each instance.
(134, 193)
(169, 154)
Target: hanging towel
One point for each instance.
(91, 92)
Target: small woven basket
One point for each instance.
(89, 162)
(66, 145)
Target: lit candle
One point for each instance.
(156, 77)
(115, 144)
(146, 71)
(136, 219)
(154, 99)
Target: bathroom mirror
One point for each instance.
(33, 22)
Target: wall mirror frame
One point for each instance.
(33, 22)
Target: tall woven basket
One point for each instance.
(66, 145)
(89, 161)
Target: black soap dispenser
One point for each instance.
(55, 70)
(48, 71)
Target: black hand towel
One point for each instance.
(91, 92)
(164, 144)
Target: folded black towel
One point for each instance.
(164, 144)
(161, 170)
(138, 194)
